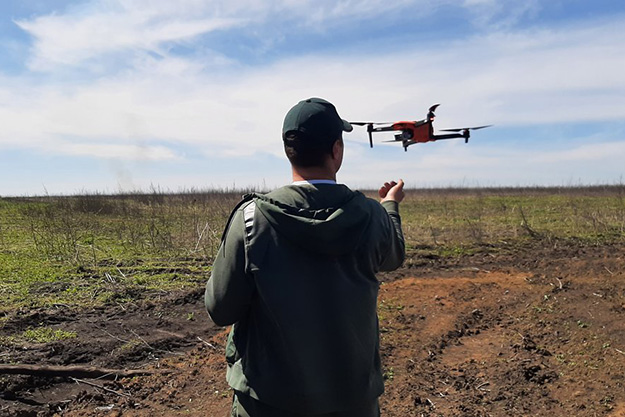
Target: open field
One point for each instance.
(511, 303)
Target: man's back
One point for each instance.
(304, 260)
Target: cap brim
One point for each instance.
(347, 127)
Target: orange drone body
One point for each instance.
(415, 132)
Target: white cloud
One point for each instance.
(120, 152)
(64, 40)
(114, 26)
(210, 104)
(570, 75)
(596, 152)
(499, 14)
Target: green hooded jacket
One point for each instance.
(295, 274)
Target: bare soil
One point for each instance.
(510, 330)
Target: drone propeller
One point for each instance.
(369, 123)
(464, 128)
(431, 111)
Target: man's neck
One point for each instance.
(313, 182)
(307, 174)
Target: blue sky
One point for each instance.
(121, 95)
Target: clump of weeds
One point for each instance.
(46, 335)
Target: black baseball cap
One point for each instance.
(317, 118)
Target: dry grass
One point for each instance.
(116, 248)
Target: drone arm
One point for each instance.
(448, 136)
(465, 134)
(382, 128)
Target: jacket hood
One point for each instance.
(323, 218)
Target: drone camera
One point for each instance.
(404, 136)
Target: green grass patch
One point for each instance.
(46, 335)
(95, 249)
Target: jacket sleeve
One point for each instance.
(230, 288)
(396, 251)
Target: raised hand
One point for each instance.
(392, 191)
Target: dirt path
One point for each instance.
(531, 331)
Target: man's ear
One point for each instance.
(337, 149)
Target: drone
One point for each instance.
(419, 131)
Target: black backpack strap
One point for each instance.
(255, 237)
(246, 199)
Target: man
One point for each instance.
(295, 274)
